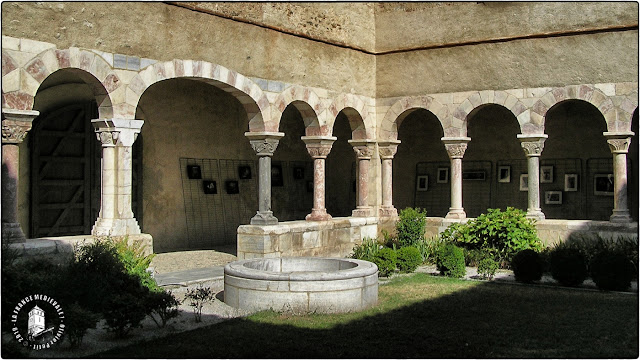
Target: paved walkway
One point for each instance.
(190, 276)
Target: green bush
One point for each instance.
(124, 311)
(506, 231)
(450, 261)
(410, 227)
(135, 261)
(428, 249)
(409, 259)
(527, 266)
(164, 305)
(487, 268)
(78, 321)
(592, 244)
(611, 270)
(197, 298)
(386, 260)
(568, 266)
(366, 250)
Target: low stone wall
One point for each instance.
(59, 250)
(333, 238)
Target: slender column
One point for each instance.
(456, 146)
(117, 137)
(15, 125)
(387, 150)
(264, 144)
(533, 146)
(619, 144)
(318, 147)
(363, 150)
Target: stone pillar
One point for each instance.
(456, 146)
(15, 125)
(318, 147)
(387, 150)
(364, 151)
(619, 144)
(117, 137)
(264, 144)
(533, 146)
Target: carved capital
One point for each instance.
(319, 146)
(108, 138)
(619, 141)
(363, 149)
(14, 132)
(455, 146)
(117, 132)
(388, 149)
(264, 143)
(532, 145)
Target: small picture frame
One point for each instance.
(524, 182)
(422, 183)
(504, 174)
(231, 186)
(194, 172)
(553, 197)
(474, 175)
(570, 182)
(276, 175)
(209, 187)
(546, 174)
(603, 184)
(298, 173)
(244, 172)
(443, 176)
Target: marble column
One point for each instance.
(533, 146)
(619, 144)
(364, 151)
(264, 144)
(318, 147)
(117, 137)
(387, 150)
(15, 125)
(456, 146)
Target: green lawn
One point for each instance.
(421, 316)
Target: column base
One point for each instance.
(388, 211)
(115, 227)
(318, 215)
(456, 214)
(535, 214)
(362, 212)
(620, 216)
(12, 233)
(264, 218)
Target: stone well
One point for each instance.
(301, 284)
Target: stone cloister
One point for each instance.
(269, 123)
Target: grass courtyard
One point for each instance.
(422, 316)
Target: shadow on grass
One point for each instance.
(481, 321)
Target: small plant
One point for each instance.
(429, 248)
(611, 270)
(123, 312)
(568, 266)
(409, 259)
(197, 298)
(78, 321)
(487, 268)
(411, 226)
(527, 266)
(164, 305)
(450, 261)
(366, 250)
(385, 259)
(135, 261)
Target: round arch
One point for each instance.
(307, 102)
(360, 120)
(399, 110)
(497, 97)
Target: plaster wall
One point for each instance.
(543, 62)
(164, 32)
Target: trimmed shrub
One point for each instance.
(506, 231)
(386, 260)
(450, 261)
(611, 270)
(568, 266)
(527, 266)
(409, 259)
(487, 268)
(411, 226)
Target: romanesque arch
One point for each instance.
(307, 102)
(242, 88)
(360, 119)
(23, 82)
(498, 97)
(398, 111)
